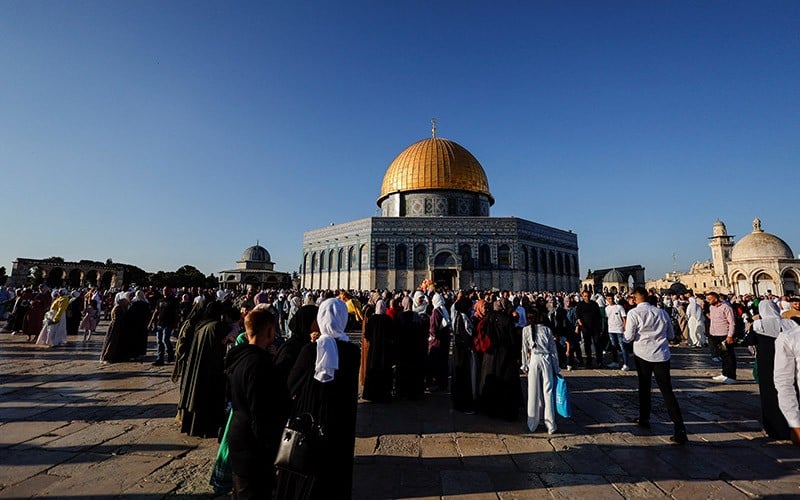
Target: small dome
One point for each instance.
(256, 253)
(761, 245)
(613, 276)
(435, 164)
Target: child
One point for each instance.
(91, 316)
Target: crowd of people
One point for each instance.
(248, 362)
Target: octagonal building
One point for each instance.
(435, 224)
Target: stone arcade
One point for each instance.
(435, 224)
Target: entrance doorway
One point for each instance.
(445, 278)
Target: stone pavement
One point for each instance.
(71, 428)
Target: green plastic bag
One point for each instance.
(221, 474)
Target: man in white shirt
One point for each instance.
(786, 373)
(615, 315)
(650, 330)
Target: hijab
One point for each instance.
(332, 320)
(420, 307)
(480, 309)
(789, 326)
(770, 322)
(438, 303)
(693, 310)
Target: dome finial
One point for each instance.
(757, 226)
(433, 128)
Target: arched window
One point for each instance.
(551, 262)
(484, 257)
(400, 257)
(535, 260)
(465, 252)
(543, 260)
(305, 263)
(525, 259)
(351, 258)
(420, 257)
(340, 260)
(330, 260)
(560, 260)
(362, 257)
(313, 262)
(575, 269)
(322, 260)
(504, 256)
(382, 256)
(568, 265)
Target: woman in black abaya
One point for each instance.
(380, 333)
(324, 383)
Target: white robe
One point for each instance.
(53, 334)
(540, 360)
(697, 323)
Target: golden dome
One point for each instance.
(435, 163)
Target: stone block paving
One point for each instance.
(71, 428)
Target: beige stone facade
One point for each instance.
(759, 263)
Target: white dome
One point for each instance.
(761, 245)
(613, 276)
(256, 253)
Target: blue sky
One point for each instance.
(171, 133)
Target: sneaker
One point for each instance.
(728, 380)
(716, 359)
(719, 378)
(625, 368)
(551, 431)
(679, 438)
(569, 368)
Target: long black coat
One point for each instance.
(380, 333)
(499, 386)
(334, 405)
(202, 401)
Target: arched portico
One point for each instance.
(446, 267)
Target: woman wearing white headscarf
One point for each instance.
(324, 383)
(787, 375)
(768, 328)
(440, 328)
(420, 302)
(697, 324)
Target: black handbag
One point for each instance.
(300, 441)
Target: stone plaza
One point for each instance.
(71, 428)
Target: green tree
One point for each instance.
(3, 276)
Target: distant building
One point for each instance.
(758, 263)
(57, 273)
(619, 279)
(435, 224)
(255, 267)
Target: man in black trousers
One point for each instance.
(650, 330)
